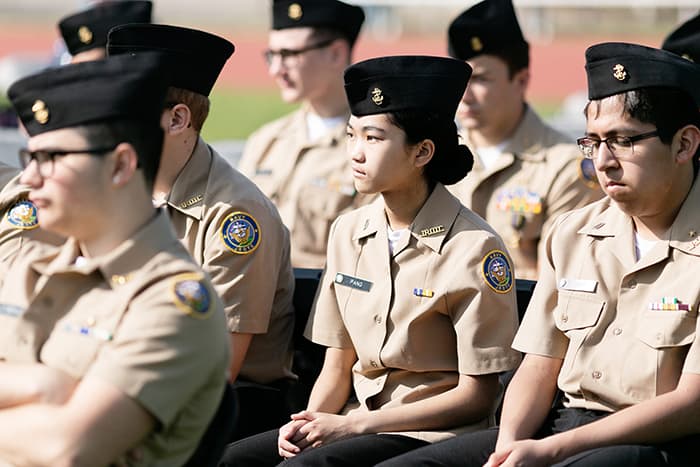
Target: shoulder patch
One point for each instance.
(191, 295)
(240, 233)
(586, 170)
(497, 272)
(23, 215)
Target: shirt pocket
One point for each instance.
(660, 329)
(74, 348)
(577, 311)
(318, 207)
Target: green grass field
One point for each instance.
(234, 115)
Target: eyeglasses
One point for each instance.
(620, 146)
(45, 159)
(289, 57)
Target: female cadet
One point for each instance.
(416, 305)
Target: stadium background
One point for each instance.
(246, 97)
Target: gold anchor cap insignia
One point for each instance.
(476, 43)
(377, 96)
(84, 34)
(619, 72)
(294, 11)
(41, 113)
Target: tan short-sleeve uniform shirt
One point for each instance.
(625, 329)
(143, 318)
(310, 182)
(235, 233)
(539, 175)
(442, 305)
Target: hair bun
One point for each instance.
(455, 165)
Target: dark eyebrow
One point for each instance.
(373, 128)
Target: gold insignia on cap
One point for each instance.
(41, 112)
(477, 45)
(295, 12)
(619, 72)
(84, 34)
(377, 96)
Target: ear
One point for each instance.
(685, 144)
(177, 119)
(125, 164)
(424, 152)
(339, 51)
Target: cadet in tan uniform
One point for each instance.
(124, 328)
(685, 40)
(613, 320)
(299, 160)
(416, 305)
(525, 172)
(229, 227)
(85, 32)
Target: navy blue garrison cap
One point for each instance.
(330, 14)
(618, 67)
(685, 40)
(88, 29)
(198, 56)
(488, 26)
(115, 88)
(389, 84)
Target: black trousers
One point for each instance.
(473, 449)
(259, 407)
(366, 450)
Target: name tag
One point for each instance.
(10, 310)
(353, 282)
(578, 285)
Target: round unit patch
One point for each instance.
(497, 271)
(587, 172)
(240, 233)
(23, 215)
(191, 295)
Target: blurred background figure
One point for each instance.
(299, 161)
(525, 172)
(685, 40)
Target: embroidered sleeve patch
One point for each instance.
(191, 295)
(23, 215)
(587, 173)
(497, 271)
(240, 233)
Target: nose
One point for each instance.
(604, 158)
(468, 96)
(30, 176)
(354, 149)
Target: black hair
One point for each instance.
(452, 161)
(146, 138)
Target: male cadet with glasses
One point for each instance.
(85, 32)
(525, 172)
(113, 349)
(299, 160)
(613, 320)
(229, 227)
(685, 40)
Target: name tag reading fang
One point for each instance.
(353, 282)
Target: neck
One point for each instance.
(402, 206)
(485, 137)
(115, 232)
(177, 150)
(332, 104)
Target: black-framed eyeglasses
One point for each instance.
(45, 158)
(620, 146)
(287, 56)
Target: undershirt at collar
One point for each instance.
(489, 155)
(317, 126)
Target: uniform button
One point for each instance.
(617, 331)
(632, 284)
(659, 336)
(564, 318)
(597, 374)
(91, 321)
(378, 319)
(373, 363)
